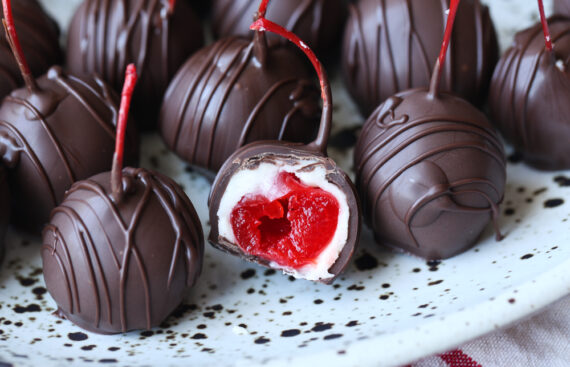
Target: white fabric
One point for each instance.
(542, 340)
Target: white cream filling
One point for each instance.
(260, 181)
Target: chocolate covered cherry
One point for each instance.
(122, 248)
(430, 170)
(157, 35)
(530, 94)
(562, 7)
(55, 131)
(287, 206)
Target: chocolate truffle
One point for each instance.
(39, 35)
(234, 92)
(430, 172)
(562, 7)
(106, 35)
(118, 265)
(390, 46)
(317, 22)
(530, 94)
(59, 133)
(4, 210)
(287, 206)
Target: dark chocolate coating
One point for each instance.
(317, 22)
(4, 210)
(392, 45)
(106, 35)
(39, 36)
(118, 266)
(430, 173)
(562, 7)
(530, 95)
(225, 97)
(49, 139)
(266, 151)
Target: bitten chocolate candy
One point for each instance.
(317, 22)
(119, 265)
(106, 35)
(227, 95)
(430, 173)
(39, 35)
(390, 46)
(530, 94)
(285, 207)
(54, 136)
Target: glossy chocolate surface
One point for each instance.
(106, 35)
(430, 173)
(114, 266)
(225, 96)
(530, 94)
(562, 7)
(53, 137)
(316, 22)
(4, 210)
(252, 155)
(391, 45)
(39, 36)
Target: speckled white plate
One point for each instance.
(387, 309)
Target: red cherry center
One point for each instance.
(292, 230)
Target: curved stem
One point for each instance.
(16, 47)
(126, 96)
(320, 143)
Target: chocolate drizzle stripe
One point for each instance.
(87, 248)
(182, 237)
(462, 126)
(107, 126)
(40, 169)
(255, 111)
(212, 58)
(414, 37)
(232, 80)
(480, 42)
(422, 157)
(53, 253)
(111, 51)
(101, 226)
(51, 136)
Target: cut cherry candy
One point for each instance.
(292, 230)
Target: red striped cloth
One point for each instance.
(541, 341)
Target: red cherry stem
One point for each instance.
(259, 40)
(262, 10)
(320, 143)
(547, 37)
(16, 47)
(171, 5)
(436, 76)
(126, 96)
